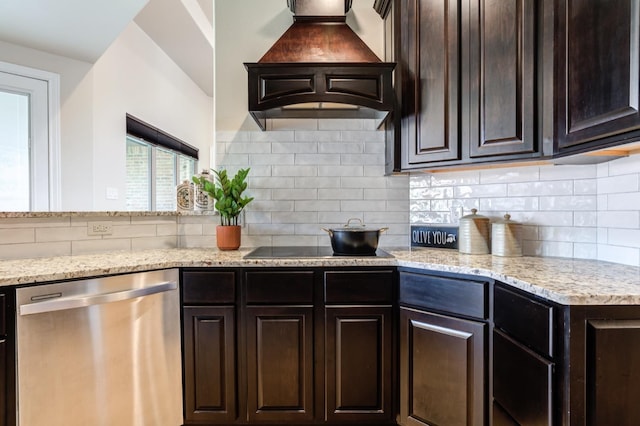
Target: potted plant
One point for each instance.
(229, 202)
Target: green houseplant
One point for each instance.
(229, 202)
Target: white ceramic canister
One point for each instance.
(184, 196)
(474, 234)
(506, 237)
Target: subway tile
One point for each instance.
(257, 240)
(420, 205)
(431, 193)
(294, 147)
(294, 217)
(530, 232)
(295, 240)
(624, 255)
(248, 148)
(356, 135)
(197, 241)
(168, 229)
(341, 148)
(589, 218)
(454, 178)
(34, 222)
(317, 136)
(317, 159)
(429, 217)
(617, 184)
(386, 218)
(312, 229)
(374, 170)
(510, 175)
(576, 202)
(337, 218)
(270, 228)
(316, 205)
(563, 187)
(362, 205)
(190, 229)
(294, 171)
(585, 251)
(624, 237)
(544, 218)
(132, 231)
(232, 135)
(343, 171)
(273, 136)
(364, 182)
(100, 246)
(341, 124)
(398, 181)
(625, 166)
(240, 160)
(273, 182)
(65, 234)
(419, 180)
(568, 234)
(341, 194)
(32, 250)
(19, 235)
(619, 219)
(585, 187)
(295, 194)
(561, 172)
(386, 194)
(149, 243)
(626, 201)
(376, 148)
(362, 159)
(549, 249)
(602, 170)
(271, 159)
(317, 182)
(253, 216)
(508, 204)
(475, 191)
(272, 206)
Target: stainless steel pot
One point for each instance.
(353, 240)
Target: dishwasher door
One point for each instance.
(100, 352)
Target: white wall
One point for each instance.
(135, 76)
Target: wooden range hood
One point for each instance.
(320, 68)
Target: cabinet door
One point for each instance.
(522, 382)
(502, 77)
(359, 364)
(280, 364)
(430, 34)
(442, 370)
(597, 72)
(209, 365)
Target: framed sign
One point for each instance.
(434, 236)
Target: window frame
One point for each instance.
(54, 173)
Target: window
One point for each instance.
(155, 166)
(29, 140)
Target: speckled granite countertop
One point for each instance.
(566, 281)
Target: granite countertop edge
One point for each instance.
(564, 281)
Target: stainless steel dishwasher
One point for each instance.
(100, 352)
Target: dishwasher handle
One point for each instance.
(82, 301)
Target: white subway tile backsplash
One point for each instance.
(269, 159)
(617, 254)
(626, 201)
(561, 172)
(293, 171)
(100, 246)
(568, 234)
(149, 243)
(617, 184)
(570, 203)
(273, 136)
(511, 175)
(476, 191)
(624, 237)
(295, 194)
(20, 235)
(585, 187)
(618, 219)
(317, 159)
(385, 194)
(31, 250)
(317, 136)
(296, 147)
(341, 148)
(508, 205)
(586, 218)
(453, 179)
(65, 234)
(343, 171)
(316, 206)
(341, 194)
(363, 206)
(527, 189)
(585, 251)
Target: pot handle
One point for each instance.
(354, 218)
(384, 229)
(328, 231)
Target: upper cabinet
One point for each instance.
(470, 81)
(597, 74)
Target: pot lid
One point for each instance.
(356, 227)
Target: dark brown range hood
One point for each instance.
(320, 68)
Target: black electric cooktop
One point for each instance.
(267, 252)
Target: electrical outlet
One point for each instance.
(100, 228)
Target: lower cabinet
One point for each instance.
(7, 358)
(443, 350)
(289, 346)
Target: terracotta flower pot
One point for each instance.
(228, 237)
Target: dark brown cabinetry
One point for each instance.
(289, 346)
(280, 346)
(7, 358)
(470, 79)
(525, 351)
(443, 350)
(597, 74)
(209, 341)
(359, 346)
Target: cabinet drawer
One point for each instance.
(208, 287)
(526, 319)
(361, 287)
(453, 295)
(522, 382)
(279, 287)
